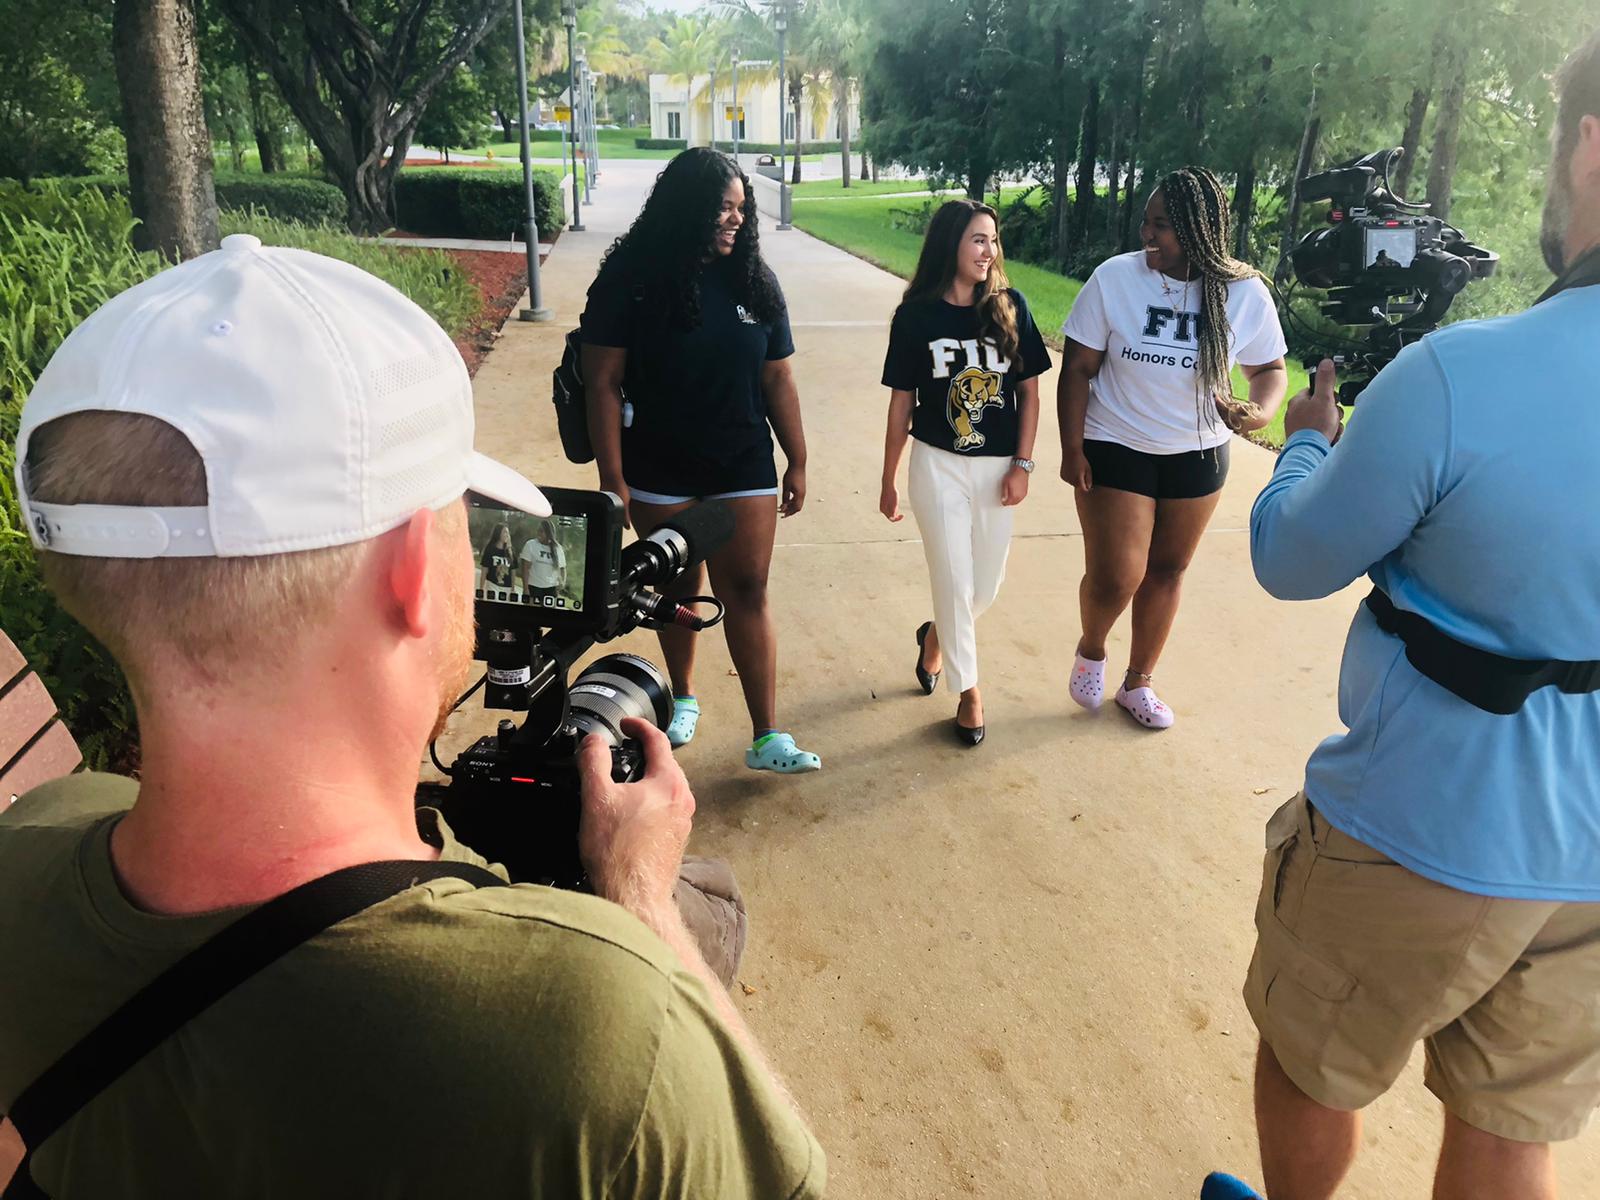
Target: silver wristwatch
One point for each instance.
(1026, 464)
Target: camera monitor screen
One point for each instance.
(1389, 246)
(544, 572)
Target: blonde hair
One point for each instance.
(213, 613)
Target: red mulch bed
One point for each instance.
(500, 278)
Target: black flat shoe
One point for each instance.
(927, 680)
(968, 735)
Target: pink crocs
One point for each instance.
(1145, 707)
(1088, 683)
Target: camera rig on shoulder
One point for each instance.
(1384, 263)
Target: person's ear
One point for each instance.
(410, 561)
(1586, 154)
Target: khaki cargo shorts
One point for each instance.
(1357, 959)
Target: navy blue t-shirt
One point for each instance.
(699, 424)
(966, 392)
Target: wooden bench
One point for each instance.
(35, 748)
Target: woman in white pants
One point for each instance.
(963, 365)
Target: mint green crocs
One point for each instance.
(777, 752)
(685, 716)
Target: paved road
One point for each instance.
(1010, 972)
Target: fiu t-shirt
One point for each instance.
(699, 416)
(452, 1041)
(544, 563)
(1148, 325)
(966, 393)
(496, 562)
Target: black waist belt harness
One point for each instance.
(1486, 680)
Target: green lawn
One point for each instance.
(864, 228)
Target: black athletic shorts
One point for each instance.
(1185, 476)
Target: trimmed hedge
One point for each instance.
(298, 198)
(772, 147)
(473, 203)
(660, 143)
(304, 201)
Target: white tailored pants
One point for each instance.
(966, 535)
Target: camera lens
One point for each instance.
(614, 688)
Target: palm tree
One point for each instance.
(609, 55)
(684, 51)
(835, 39)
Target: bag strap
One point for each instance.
(198, 980)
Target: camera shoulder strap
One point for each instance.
(198, 980)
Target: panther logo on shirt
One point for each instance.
(745, 315)
(971, 392)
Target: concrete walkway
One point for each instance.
(1013, 971)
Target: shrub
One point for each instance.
(472, 202)
(285, 198)
(64, 251)
(772, 147)
(646, 143)
(300, 198)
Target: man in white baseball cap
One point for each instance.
(244, 477)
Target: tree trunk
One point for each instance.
(1302, 166)
(1114, 158)
(1244, 187)
(844, 132)
(1446, 132)
(269, 142)
(1244, 208)
(796, 93)
(1065, 146)
(169, 147)
(864, 175)
(1416, 114)
(1130, 195)
(1088, 151)
(978, 177)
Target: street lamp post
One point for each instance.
(580, 112)
(735, 106)
(781, 23)
(592, 97)
(569, 18)
(536, 311)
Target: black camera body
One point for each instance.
(1383, 261)
(549, 589)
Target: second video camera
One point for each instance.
(1383, 261)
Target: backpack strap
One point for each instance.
(201, 978)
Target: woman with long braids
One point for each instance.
(1147, 410)
(963, 367)
(686, 352)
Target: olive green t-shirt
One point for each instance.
(452, 1041)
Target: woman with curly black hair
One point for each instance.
(686, 362)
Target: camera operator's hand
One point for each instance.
(889, 502)
(631, 835)
(1316, 409)
(1075, 468)
(794, 490)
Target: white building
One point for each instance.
(702, 109)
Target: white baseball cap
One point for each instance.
(327, 407)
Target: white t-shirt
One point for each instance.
(1144, 395)
(545, 563)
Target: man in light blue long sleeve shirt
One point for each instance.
(1438, 878)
